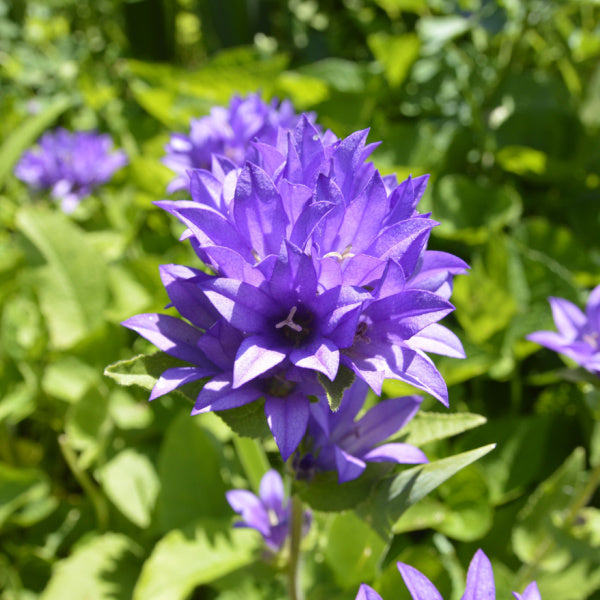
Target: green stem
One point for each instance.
(295, 593)
(84, 480)
(528, 572)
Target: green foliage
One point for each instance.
(103, 495)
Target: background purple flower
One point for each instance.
(269, 512)
(578, 335)
(480, 582)
(337, 442)
(226, 132)
(69, 164)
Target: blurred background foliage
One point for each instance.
(106, 496)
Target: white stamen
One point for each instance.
(288, 321)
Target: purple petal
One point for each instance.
(403, 454)
(380, 422)
(367, 593)
(321, 355)
(348, 467)
(568, 318)
(531, 593)
(255, 356)
(171, 335)
(173, 378)
(258, 211)
(593, 309)
(271, 492)
(218, 394)
(480, 579)
(438, 339)
(418, 585)
(250, 508)
(287, 419)
(243, 305)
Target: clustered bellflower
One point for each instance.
(480, 584)
(320, 265)
(70, 165)
(336, 441)
(226, 132)
(578, 335)
(269, 512)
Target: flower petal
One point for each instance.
(287, 419)
(255, 356)
(250, 508)
(348, 467)
(173, 378)
(321, 355)
(367, 593)
(403, 454)
(480, 579)
(531, 593)
(568, 318)
(418, 585)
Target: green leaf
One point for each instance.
(335, 389)
(392, 497)
(24, 136)
(353, 550)
(69, 379)
(72, 287)
(100, 569)
(190, 475)
(253, 458)
(471, 211)
(196, 555)
(131, 483)
(144, 370)
(537, 527)
(248, 420)
(429, 426)
(396, 53)
(18, 488)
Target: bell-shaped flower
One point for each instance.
(578, 335)
(269, 512)
(226, 132)
(336, 441)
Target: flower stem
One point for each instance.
(88, 486)
(295, 593)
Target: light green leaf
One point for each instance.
(72, 286)
(396, 53)
(199, 554)
(24, 136)
(143, 370)
(97, 570)
(190, 475)
(392, 497)
(353, 550)
(18, 488)
(335, 389)
(253, 458)
(69, 378)
(429, 426)
(534, 536)
(131, 482)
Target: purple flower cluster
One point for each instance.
(578, 335)
(321, 266)
(69, 164)
(269, 512)
(226, 132)
(480, 584)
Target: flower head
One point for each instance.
(578, 335)
(480, 582)
(226, 132)
(336, 441)
(69, 164)
(269, 512)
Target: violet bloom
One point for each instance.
(480, 582)
(337, 442)
(366, 592)
(226, 132)
(69, 164)
(317, 195)
(578, 335)
(210, 344)
(269, 512)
